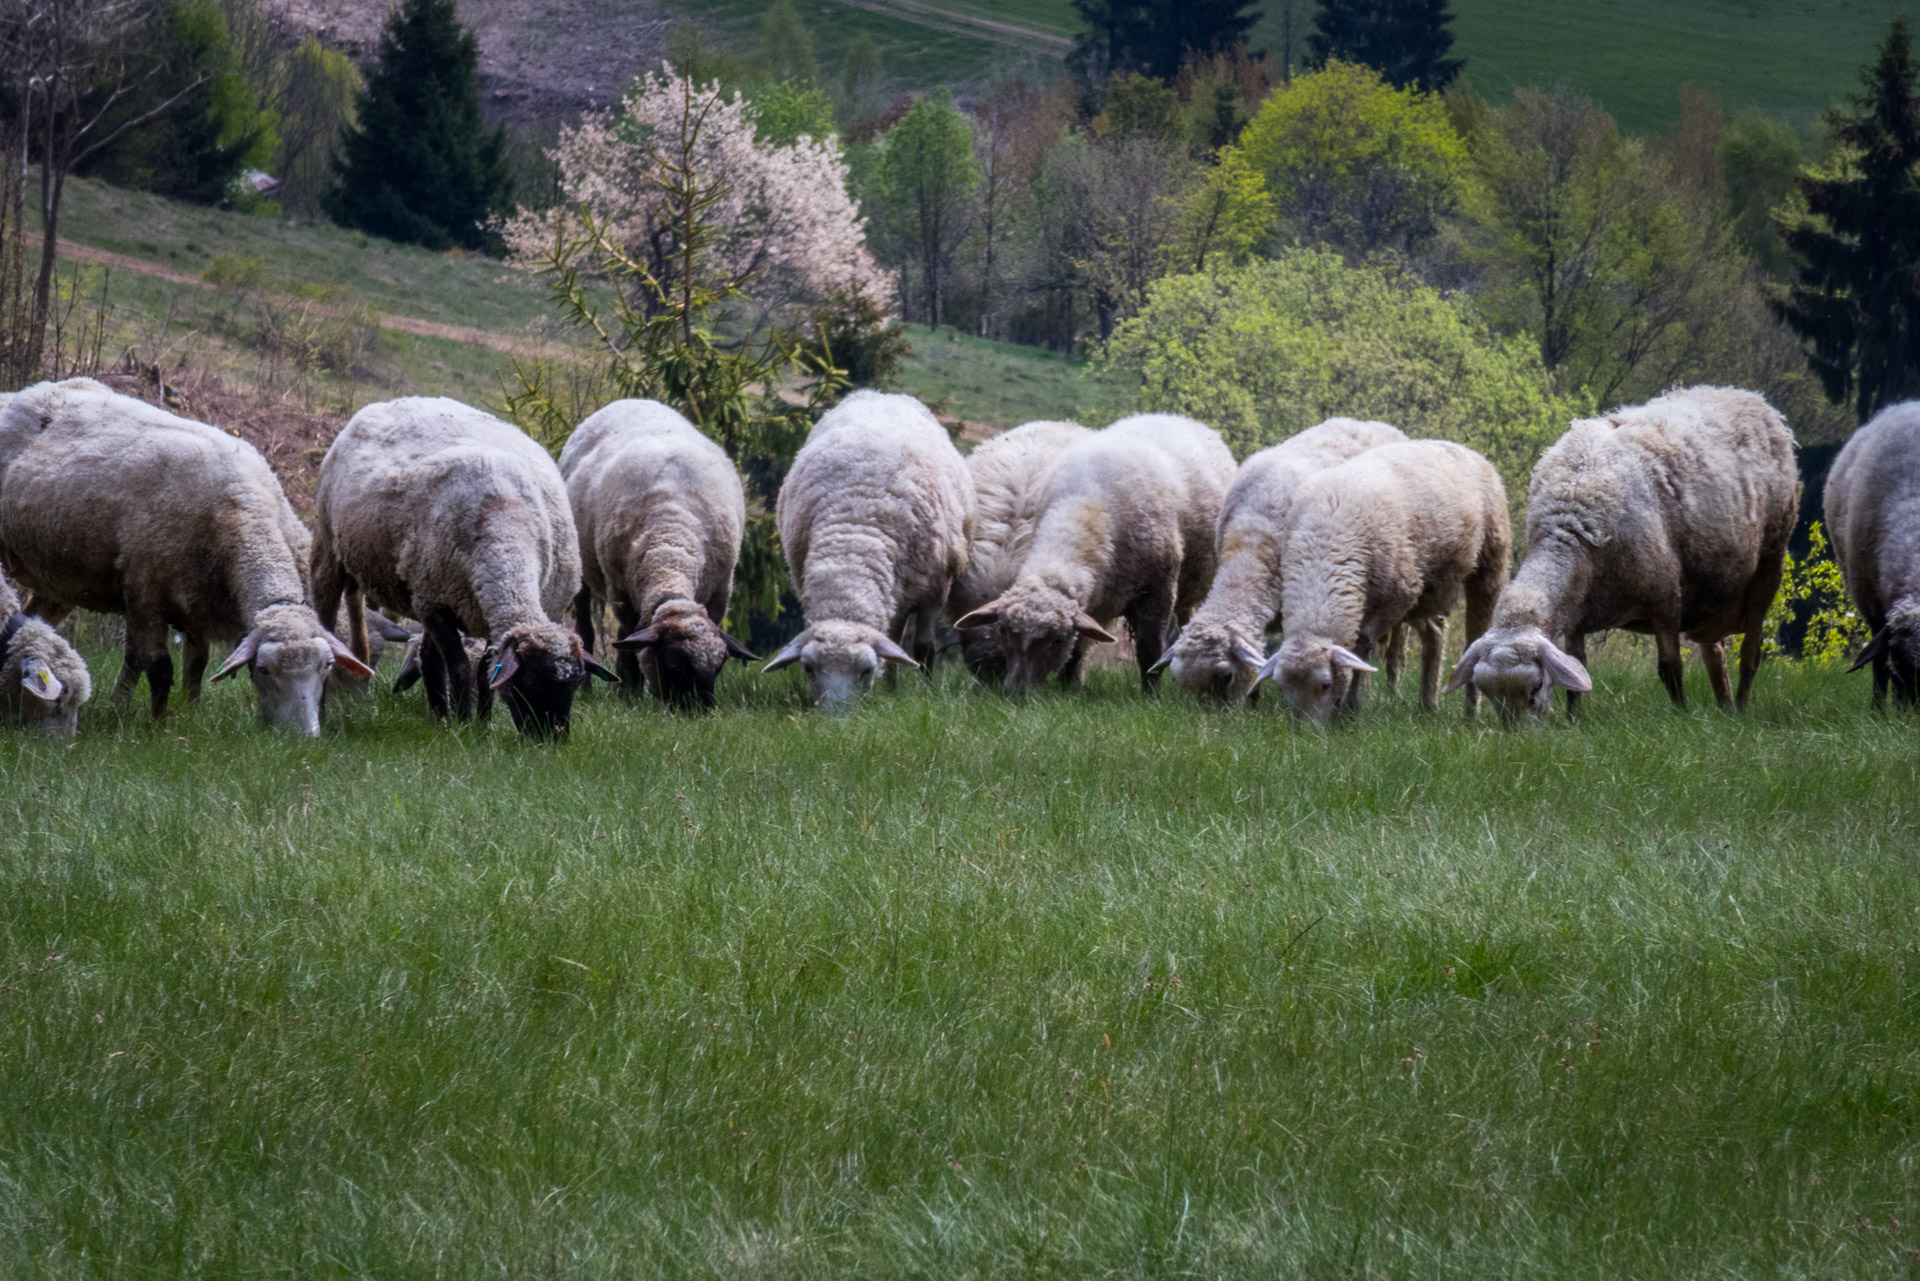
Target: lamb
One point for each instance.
(1126, 530)
(1873, 516)
(43, 680)
(660, 512)
(1010, 474)
(1670, 517)
(1392, 536)
(876, 516)
(1220, 651)
(436, 510)
(111, 504)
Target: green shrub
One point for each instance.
(1835, 630)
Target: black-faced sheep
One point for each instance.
(1873, 517)
(1670, 517)
(1221, 649)
(436, 510)
(660, 512)
(1126, 531)
(1392, 536)
(43, 679)
(1010, 475)
(108, 503)
(875, 517)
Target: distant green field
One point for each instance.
(1085, 986)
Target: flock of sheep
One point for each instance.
(1670, 518)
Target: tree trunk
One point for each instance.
(52, 180)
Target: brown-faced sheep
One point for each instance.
(1670, 517)
(1873, 517)
(875, 516)
(1392, 536)
(436, 510)
(108, 503)
(660, 512)
(1125, 531)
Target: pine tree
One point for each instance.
(1406, 41)
(1856, 302)
(1154, 37)
(421, 167)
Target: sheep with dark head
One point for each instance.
(1873, 517)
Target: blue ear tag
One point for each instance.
(496, 670)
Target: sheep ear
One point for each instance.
(1564, 670)
(893, 653)
(388, 629)
(1875, 647)
(504, 669)
(592, 664)
(1245, 650)
(638, 640)
(242, 656)
(736, 650)
(1463, 670)
(789, 654)
(344, 657)
(1269, 670)
(1087, 626)
(1164, 659)
(409, 674)
(1344, 657)
(42, 683)
(953, 638)
(986, 616)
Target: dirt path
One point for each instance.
(965, 24)
(405, 324)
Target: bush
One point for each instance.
(1264, 351)
(1835, 630)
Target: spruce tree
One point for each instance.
(420, 166)
(1406, 41)
(1153, 37)
(1856, 300)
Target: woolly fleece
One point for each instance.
(1873, 517)
(36, 647)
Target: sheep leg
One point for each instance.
(443, 633)
(1070, 674)
(1714, 658)
(194, 668)
(1396, 660)
(1576, 646)
(1364, 646)
(583, 617)
(626, 664)
(1666, 640)
(1433, 653)
(357, 639)
(433, 675)
(1147, 620)
(924, 649)
(1752, 649)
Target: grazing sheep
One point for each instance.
(1010, 474)
(478, 658)
(381, 632)
(1873, 517)
(1220, 650)
(1125, 531)
(43, 680)
(1391, 536)
(108, 503)
(660, 512)
(433, 509)
(875, 518)
(1670, 517)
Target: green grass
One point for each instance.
(955, 987)
(1004, 384)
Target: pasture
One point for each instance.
(1086, 985)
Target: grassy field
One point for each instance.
(953, 987)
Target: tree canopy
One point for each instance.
(1406, 41)
(1154, 36)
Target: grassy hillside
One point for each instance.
(1082, 986)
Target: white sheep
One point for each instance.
(108, 503)
(875, 517)
(1873, 517)
(1394, 535)
(1220, 650)
(1670, 517)
(1125, 531)
(660, 511)
(1010, 474)
(433, 509)
(43, 679)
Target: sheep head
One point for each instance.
(1315, 674)
(840, 659)
(681, 650)
(1898, 642)
(43, 681)
(1037, 628)
(538, 669)
(290, 655)
(1214, 662)
(1518, 668)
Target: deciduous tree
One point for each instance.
(926, 178)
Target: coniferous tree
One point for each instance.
(1856, 300)
(1154, 37)
(420, 166)
(1406, 41)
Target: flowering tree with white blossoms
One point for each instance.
(678, 222)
